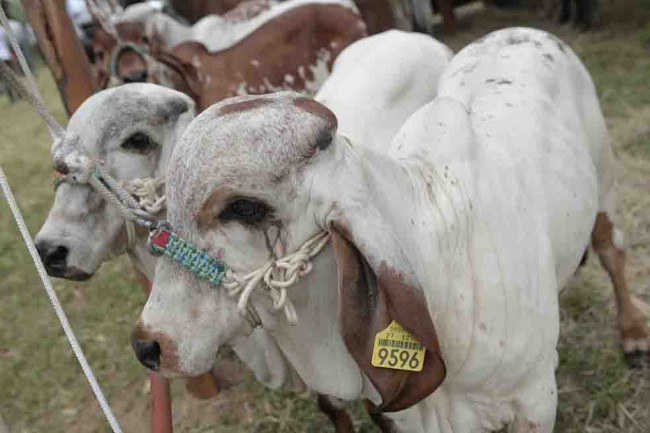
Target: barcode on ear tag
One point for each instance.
(396, 348)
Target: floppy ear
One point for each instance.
(377, 285)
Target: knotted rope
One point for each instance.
(277, 276)
(146, 190)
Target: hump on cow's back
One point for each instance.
(247, 10)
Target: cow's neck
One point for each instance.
(414, 207)
(426, 207)
(140, 256)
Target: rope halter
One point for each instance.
(147, 191)
(273, 279)
(122, 47)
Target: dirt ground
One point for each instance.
(42, 388)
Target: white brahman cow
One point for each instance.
(463, 233)
(134, 127)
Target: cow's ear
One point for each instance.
(377, 286)
(180, 60)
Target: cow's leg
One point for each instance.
(580, 11)
(608, 243)
(446, 8)
(422, 16)
(586, 13)
(385, 424)
(337, 413)
(565, 11)
(537, 404)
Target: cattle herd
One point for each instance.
(367, 217)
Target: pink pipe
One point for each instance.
(161, 402)
(161, 405)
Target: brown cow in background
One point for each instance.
(292, 49)
(293, 52)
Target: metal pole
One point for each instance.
(161, 404)
(160, 398)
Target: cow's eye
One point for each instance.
(247, 211)
(139, 143)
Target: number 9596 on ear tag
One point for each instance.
(396, 348)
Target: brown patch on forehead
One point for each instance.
(239, 107)
(313, 107)
(325, 135)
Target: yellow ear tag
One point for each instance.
(396, 348)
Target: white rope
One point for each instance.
(76, 348)
(56, 130)
(146, 191)
(277, 276)
(103, 13)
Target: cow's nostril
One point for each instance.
(58, 256)
(148, 353)
(54, 257)
(135, 76)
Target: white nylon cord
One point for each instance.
(69, 333)
(55, 129)
(277, 275)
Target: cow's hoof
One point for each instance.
(637, 352)
(637, 360)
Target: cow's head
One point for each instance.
(131, 128)
(141, 54)
(126, 60)
(251, 180)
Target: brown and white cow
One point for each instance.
(291, 45)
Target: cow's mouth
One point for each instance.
(74, 274)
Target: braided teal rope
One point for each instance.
(59, 179)
(188, 256)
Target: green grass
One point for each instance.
(42, 388)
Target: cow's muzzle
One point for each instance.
(55, 259)
(137, 76)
